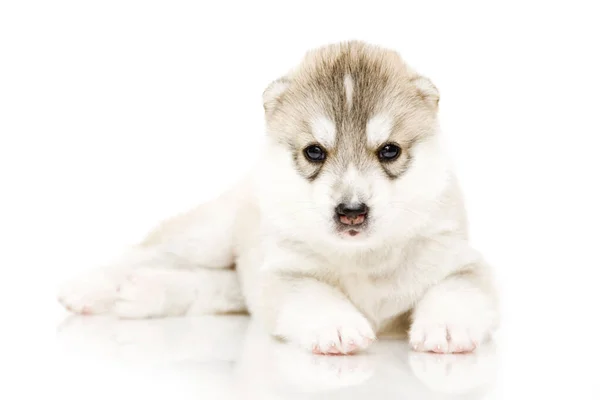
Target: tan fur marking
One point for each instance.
(349, 84)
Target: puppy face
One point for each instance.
(354, 155)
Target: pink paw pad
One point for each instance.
(86, 311)
(438, 349)
(332, 349)
(352, 347)
(465, 349)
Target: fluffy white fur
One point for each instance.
(378, 130)
(323, 130)
(269, 246)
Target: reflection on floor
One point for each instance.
(231, 358)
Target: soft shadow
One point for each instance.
(232, 354)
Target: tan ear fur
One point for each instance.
(427, 90)
(273, 92)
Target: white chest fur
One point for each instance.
(381, 291)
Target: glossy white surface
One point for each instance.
(230, 358)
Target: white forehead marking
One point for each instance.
(323, 129)
(379, 129)
(349, 86)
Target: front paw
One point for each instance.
(332, 333)
(444, 337)
(444, 331)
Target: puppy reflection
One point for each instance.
(233, 356)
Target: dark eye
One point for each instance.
(315, 153)
(389, 152)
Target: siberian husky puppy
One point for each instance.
(350, 227)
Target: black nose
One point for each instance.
(351, 210)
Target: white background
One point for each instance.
(116, 114)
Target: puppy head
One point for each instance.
(354, 154)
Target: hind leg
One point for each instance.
(147, 292)
(183, 267)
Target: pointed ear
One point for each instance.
(273, 93)
(427, 90)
